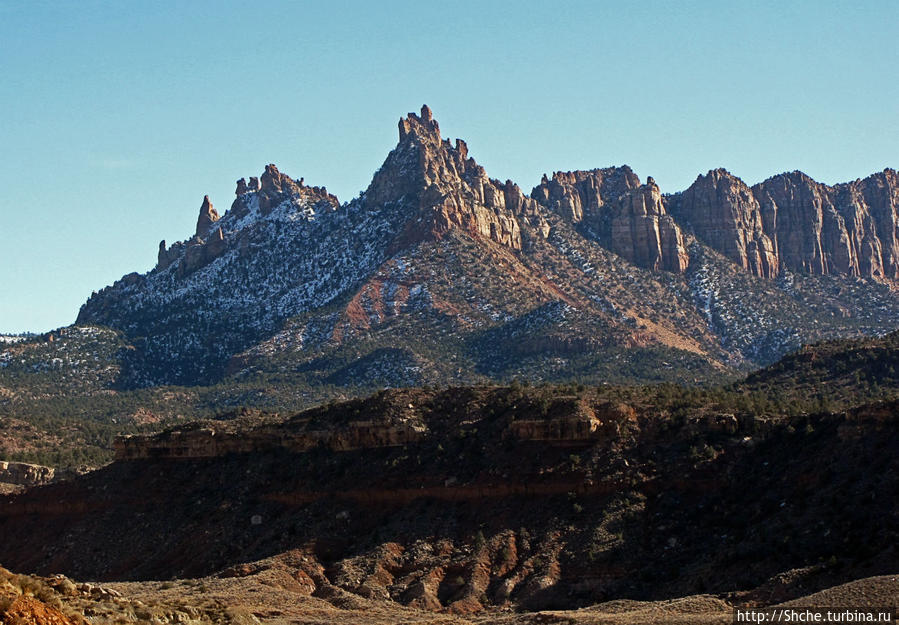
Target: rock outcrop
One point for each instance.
(641, 231)
(24, 474)
(207, 443)
(849, 229)
(447, 188)
(163, 260)
(578, 423)
(580, 196)
(166, 257)
(206, 245)
(724, 214)
(208, 216)
(790, 221)
(274, 188)
(392, 422)
(617, 211)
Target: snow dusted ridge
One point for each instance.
(74, 360)
(282, 249)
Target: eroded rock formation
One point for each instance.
(791, 221)
(725, 214)
(850, 229)
(448, 188)
(24, 474)
(641, 231)
(621, 214)
(208, 216)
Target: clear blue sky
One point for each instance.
(117, 117)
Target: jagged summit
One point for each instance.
(423, 126)
(447, 189)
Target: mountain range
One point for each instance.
(438, 272)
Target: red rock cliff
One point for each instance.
(623, 215)
(447, 188)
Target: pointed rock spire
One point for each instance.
(271, 179)
(162, 260)
(208, 216)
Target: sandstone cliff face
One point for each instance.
(724, 214)
(849, 229)
(623, 215)
(641, 231)
(447, 188)
(581, 195)
(791, 221)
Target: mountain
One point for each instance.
(438, 272)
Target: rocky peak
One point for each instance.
(445, 188)
(208, 216)
(271, 179)
(640, 230)
(273, 188)
(847, 229)
(725, 214)
(579, 195)
(617, 211)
